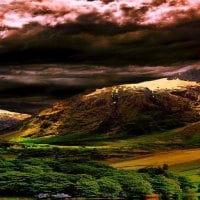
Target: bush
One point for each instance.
(185, 183)
(165, 186)
(133, 184)
(109, 187)
(87, 187)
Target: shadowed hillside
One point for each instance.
(11, 119)
(191, 75)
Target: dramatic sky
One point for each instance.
(61, 47)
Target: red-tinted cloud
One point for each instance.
(16, 14)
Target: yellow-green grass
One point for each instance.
(173, 157)
(185, 162)
(174, 139)
(189, 169)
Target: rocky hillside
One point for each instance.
(124, 110)
(10, 119)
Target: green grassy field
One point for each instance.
(189, 169)
(158, 159)
(185, 137)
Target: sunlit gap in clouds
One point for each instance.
(16, 14)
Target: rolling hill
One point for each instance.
(124, 111)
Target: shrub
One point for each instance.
(109, 187)
(133, 184)
(87, 187)
(185, 183)
(165, 186)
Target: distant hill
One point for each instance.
(117, 112)
(191, 75)
(9, 119)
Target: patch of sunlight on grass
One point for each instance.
(158, 159)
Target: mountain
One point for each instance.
(191, 75)
(117, 112)
(9, 119)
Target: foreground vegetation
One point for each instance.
(78, 177)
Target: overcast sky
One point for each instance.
(51, 47)
(118, 32)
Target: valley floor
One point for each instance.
(185, 162)
(160, 158)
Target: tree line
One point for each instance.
(85, 178)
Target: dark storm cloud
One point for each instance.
(99, 32)
(85, 75)
(15, 14)
(142, 46)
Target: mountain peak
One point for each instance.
(163, 84)
(118, 111)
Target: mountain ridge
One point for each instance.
(190, 75)
(119, 111)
